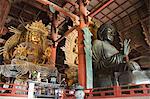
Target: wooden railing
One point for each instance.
(15, 90)
(112, 92)
(119, 91)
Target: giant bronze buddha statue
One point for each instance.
(107, 59)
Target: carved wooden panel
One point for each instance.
(71, 49)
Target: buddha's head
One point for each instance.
(37, 30)
(106, 32)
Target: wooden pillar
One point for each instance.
(4, 10)
(81, 57)
(54, 37)
(53, 55)
(81, 52)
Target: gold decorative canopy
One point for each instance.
(38, 26)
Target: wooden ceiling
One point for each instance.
(125, 15)
(30, 10)
(116, 10)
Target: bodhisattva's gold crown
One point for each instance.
(38, 26)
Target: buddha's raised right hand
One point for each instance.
(126, 47)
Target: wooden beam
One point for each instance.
(140, 57)
(57, 8)
(73, 3)
(36, 5)
(123, 10)
(97, 6)
(146, 33)
(125, 29)
(100, 9)
(22, 10)
(66, 34)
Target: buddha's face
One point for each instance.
(35, 37)
(110, 34)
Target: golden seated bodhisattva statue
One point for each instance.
(31, 46)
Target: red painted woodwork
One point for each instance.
(4, 10)
(57, 8)
(13, 89)
(95, 93)
(101, 8)
(81, 52)
(113, 92)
